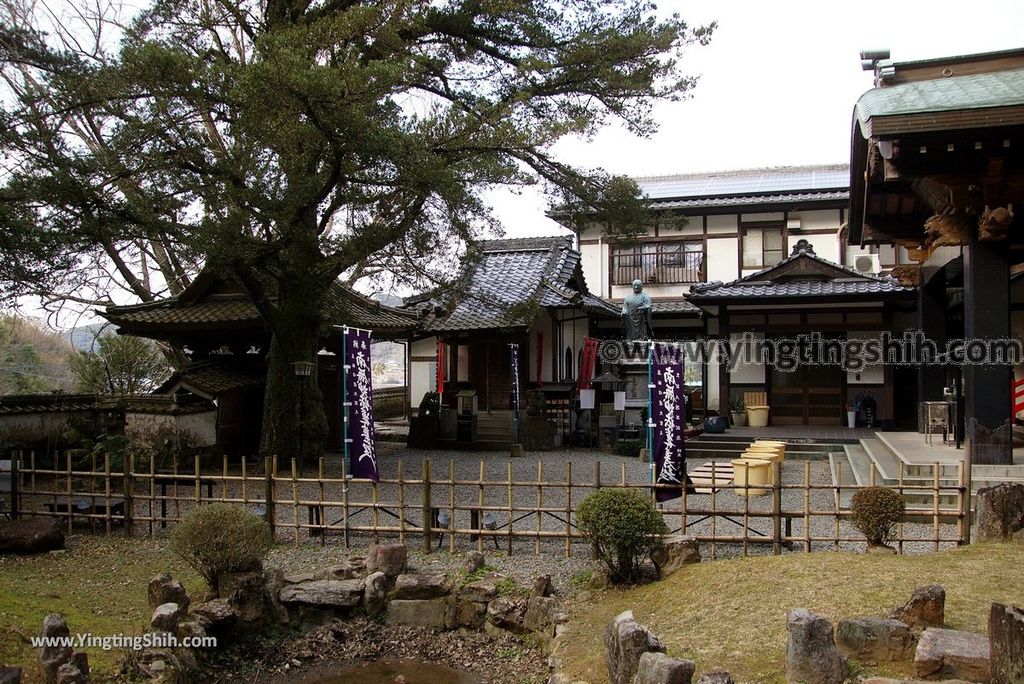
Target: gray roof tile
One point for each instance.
(768, 182)
(973, 91)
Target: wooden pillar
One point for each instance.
(987, 385)
(723, 366)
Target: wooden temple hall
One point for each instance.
(937, 168)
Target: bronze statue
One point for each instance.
(636, 314)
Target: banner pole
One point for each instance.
(345, 408)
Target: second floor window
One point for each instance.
(762, 247)
(659, 262)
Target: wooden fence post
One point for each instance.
(128, 489)
(428, 515)
(268, 491)
(776, 508)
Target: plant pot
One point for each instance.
(851, 419)
(739, 418)
(715, 425)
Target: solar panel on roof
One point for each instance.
(745, 182)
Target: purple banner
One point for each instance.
(358, 406)
(667, 412)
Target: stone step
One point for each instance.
(842, 473)
(887, 464)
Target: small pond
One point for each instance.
(388, 672)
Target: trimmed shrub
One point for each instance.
(876, 511)
(630, 448)
(219, 538)
(624, 529)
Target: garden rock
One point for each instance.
(434, 614)
(540, 615)
(541, 586)
(165, 618)
(52, 657)
(507, 613)
(482, 590)
(391, 559)
(876, 640)
(598, 580)
(31, 535)
(341, 571)
(658, 668)
(470, 614)
(677, 551)
(812, 656)
(329, 593)
(474, 561)
(375, 596)
(244, 592)
(1006, 640)
(216, 616)
(947, 653)
(925, 608)
(716, 678)
(68, 673)
(422, 586)
(625, 641)
(999, 513)
(165, 589)
(10, 675)
(273, 583)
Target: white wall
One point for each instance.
(423, 373)
(747, 373)
(722, 258)
(543, 324)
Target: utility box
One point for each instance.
(466, 402)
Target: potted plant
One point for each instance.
(738, 412)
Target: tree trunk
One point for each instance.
(293, 428)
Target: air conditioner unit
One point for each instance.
(867, 263)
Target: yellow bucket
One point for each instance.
(755, 473)
(781, 446)
(772, 457)
(757, 416)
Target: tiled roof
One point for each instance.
(841, 281)
(973, 91)
(795, 181)
(342, 306)
(45, 403)
(749, 200)
(21, 404)
(673, 306)
(209, 378)
(508, 276)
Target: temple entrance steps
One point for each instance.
(495, 430)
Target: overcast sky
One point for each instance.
(777, 86)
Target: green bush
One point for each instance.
(630, 448)
(219, 538)
(876, 511)
(624, 529)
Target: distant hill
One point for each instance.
(33, 359)
(82, 338)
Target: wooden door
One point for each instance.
(490, 374)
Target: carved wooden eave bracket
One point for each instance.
(909, 275)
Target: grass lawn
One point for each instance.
(731, 614)
(100, 586)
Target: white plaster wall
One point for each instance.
(201, 428)
(713, 386)
(723, 223)
(743, 372)
(825, 246)
(542, 324)
(655, 290)
(820, 219)
(722, 259)
(573, 334)
(422, 373)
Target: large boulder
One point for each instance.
(31, 535)
(339, 571)
(925, 608)
(470, 614)
(391, 559)
(658, 668)
(507, 613)
(1006, 639)
(422, 586)
(165, 589)
(69, 673)
(435, 614)
(541, 586)
(216, 617)
(244, 592)
(482, 590)
(677, 551)
(328, 593)
(474, 561)
(947, 654)
(273, 583)
(165, 618)
(55, 653)
(540, 615)
(870, 639)
(375, 596)
(999, 513)
(625, 641)
(812, 656)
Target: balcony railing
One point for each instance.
(660, 266)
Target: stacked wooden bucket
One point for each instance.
(754, 468)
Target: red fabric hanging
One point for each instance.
(587, 362)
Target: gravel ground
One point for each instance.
(534, 510)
